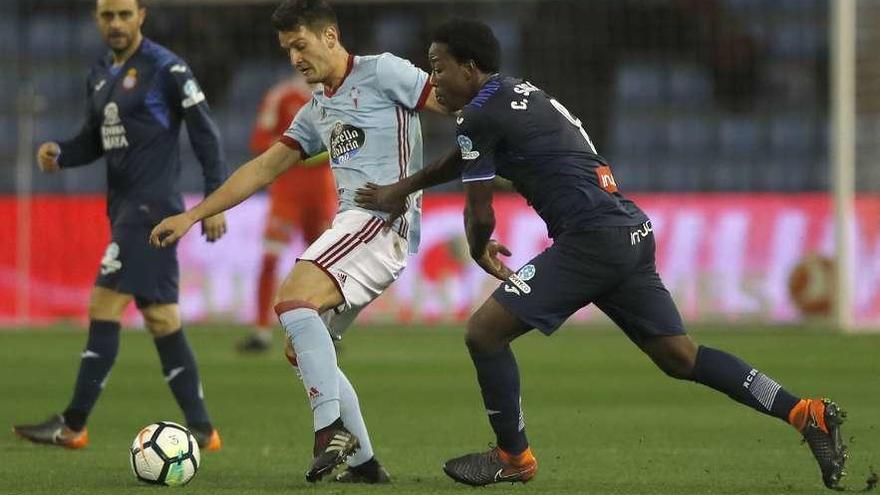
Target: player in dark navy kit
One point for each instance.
(137, 97)
(603, 253)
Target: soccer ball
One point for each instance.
(164, 453)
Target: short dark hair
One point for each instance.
(314, 15)
(471, 40)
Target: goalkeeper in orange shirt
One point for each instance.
(302, 199)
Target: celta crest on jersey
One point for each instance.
(345, 142)
(112, 130)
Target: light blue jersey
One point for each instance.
(370, 125)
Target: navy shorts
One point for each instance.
(611, 267)
(132, 266)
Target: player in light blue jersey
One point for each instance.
(366, 117)
(370, 127)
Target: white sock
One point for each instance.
(354, 421)
(316, 359)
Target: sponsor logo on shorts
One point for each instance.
(636, 236)
(467, 148)
(526, 273)
(519, 284)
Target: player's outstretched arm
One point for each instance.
(391, 198)
(244, 182)
(479, 223)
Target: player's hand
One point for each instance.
(47, 157)
(170, 230)
(490, 262)
(214, 227)
(390, 199)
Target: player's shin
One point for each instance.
(316, 359)
(96, 361)
(182, 375)
(741, 382)
(350, 410)
(498, 375)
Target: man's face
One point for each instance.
(451, 79)
(309, 52)
(120, 22)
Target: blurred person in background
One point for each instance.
(302, 199)
(137, 97)
(603, 253)
(365, 113)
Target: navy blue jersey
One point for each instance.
(517, 131)
(133, 119)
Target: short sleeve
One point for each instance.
(402, 81)
(185, 88)
(477, 140)
(302, 133)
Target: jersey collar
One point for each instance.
(349, 65)
(108, 58)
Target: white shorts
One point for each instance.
(362, 257)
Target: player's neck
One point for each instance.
(479, 82)
(122, 57)
(482, 79)
(340, 70)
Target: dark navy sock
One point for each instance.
(94, 367)
(498, 376)
(742, 383)
(182, 375)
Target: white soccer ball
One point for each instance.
(164, 453)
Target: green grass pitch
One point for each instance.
(600, 417)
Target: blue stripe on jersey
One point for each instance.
(158, 107)
(489, 89)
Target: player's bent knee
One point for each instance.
(676, 370)
(479, 336)
(162, 319)
(492, 327)
(106, 304)
(675, 356)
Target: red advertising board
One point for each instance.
(723, 256)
